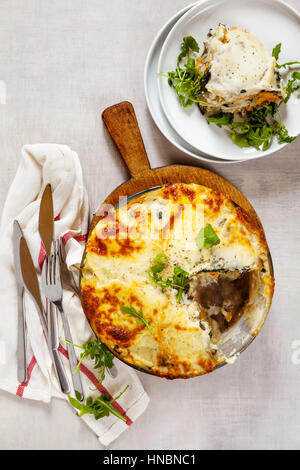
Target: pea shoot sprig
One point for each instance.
(99, 407)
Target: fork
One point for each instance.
(52, 288)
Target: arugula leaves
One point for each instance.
(98, 352)
(186, 80)
(276, 51)
(139, 315)
(222, 119)
(158, 264)
(287, 64)
(180, 280)
(188, 44)
(258, 128)
(100, 407)
(207, 237)
(293, 85)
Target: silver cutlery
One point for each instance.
(52, 289)
(46, 229)
(31, 285)
(21, 342)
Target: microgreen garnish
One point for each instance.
(207, 237)
(100, 407)
(139, 315)
(187, 80)
(98, 352)
(180, 280)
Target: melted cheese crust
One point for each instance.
(118, 256)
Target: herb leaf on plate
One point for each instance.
(292, 85)
(186, 79)
(276, 51)
(259, 127)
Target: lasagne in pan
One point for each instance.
(170, 276)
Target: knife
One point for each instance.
(21, 345)
(46, 217)
(31, 285)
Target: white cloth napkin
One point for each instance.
(58, 165)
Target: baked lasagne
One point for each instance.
(167, 276)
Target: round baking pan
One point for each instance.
(122, 125)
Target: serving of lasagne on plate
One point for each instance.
(176, 281)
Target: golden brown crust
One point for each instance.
(115, 274)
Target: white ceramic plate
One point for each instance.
(152, 95)
(272, 21)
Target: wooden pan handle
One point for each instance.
(121, 122)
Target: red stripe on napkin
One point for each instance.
(30, 367)
(42, 255)
(79, 238)
(98, 385)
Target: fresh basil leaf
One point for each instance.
(207, 237)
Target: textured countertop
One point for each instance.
(64, 61)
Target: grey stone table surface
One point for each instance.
(64, 61)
